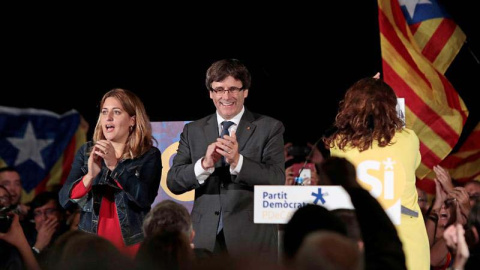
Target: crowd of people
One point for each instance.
(102, 216)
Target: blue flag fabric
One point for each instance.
(418, 11)
(32, 140)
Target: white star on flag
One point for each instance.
(30, 147)
(412, 4)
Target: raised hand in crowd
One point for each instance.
(315, 155)
(16, 237)
(290, 177)
(459, 197)
(45, 231)
(443, 186)
(454, 237)
(443, 178)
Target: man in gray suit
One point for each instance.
(224, 169)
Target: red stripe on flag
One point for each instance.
(437, 41)
(453, 162)
(42, 186)
(466, 179)
(68, 156)
(473, 140)
(399, 18)
(418, 107)
(453, 98)
(414, 28)
(426, 184)
(391, 35)
(429, 158)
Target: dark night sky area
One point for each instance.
(302, 60)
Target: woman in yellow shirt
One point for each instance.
(371, 134)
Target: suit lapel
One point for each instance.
(211, 129)
(245, 129)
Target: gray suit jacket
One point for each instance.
(260, 140)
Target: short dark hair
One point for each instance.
(349, 218)
(307, 219)
(9, 169)
(43, 198)
(167, 215)
(221, 69)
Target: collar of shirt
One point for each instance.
(235, 119)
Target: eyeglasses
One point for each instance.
(231, 90)
(47, 212)
(449, 202)
(421, 199)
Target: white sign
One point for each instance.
(401, 109)
(276, 204)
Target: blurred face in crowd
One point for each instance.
(446, 217)
(228, 97)
(473, 190)
(115, 121)
(422, 200)
(5, 198)
(46, 213)
(75, 221)
(11, 181)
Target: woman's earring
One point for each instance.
(131, 128)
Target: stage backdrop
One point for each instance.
(168, 135)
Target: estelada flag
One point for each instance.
(40, 144)
(414, 70)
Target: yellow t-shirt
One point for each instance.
(389, 174)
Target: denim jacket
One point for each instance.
(139, 179)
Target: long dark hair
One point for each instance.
(366, 114)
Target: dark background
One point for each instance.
(302, 58)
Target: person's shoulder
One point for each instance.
(406, 134)
(87, 144)
(154, 150)
(84, 147)
(201, 121)
(258, 117)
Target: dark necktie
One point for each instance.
(225, 126)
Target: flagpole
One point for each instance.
(472, 53)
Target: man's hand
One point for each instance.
(211, 157)
(45, 233)
(228, 147)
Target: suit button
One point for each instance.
(217, 213)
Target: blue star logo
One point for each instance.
(318, 196)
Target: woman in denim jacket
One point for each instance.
(115, 178)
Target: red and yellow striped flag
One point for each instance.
(464, 165)
(415, 54)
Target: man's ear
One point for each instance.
(245, 93)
